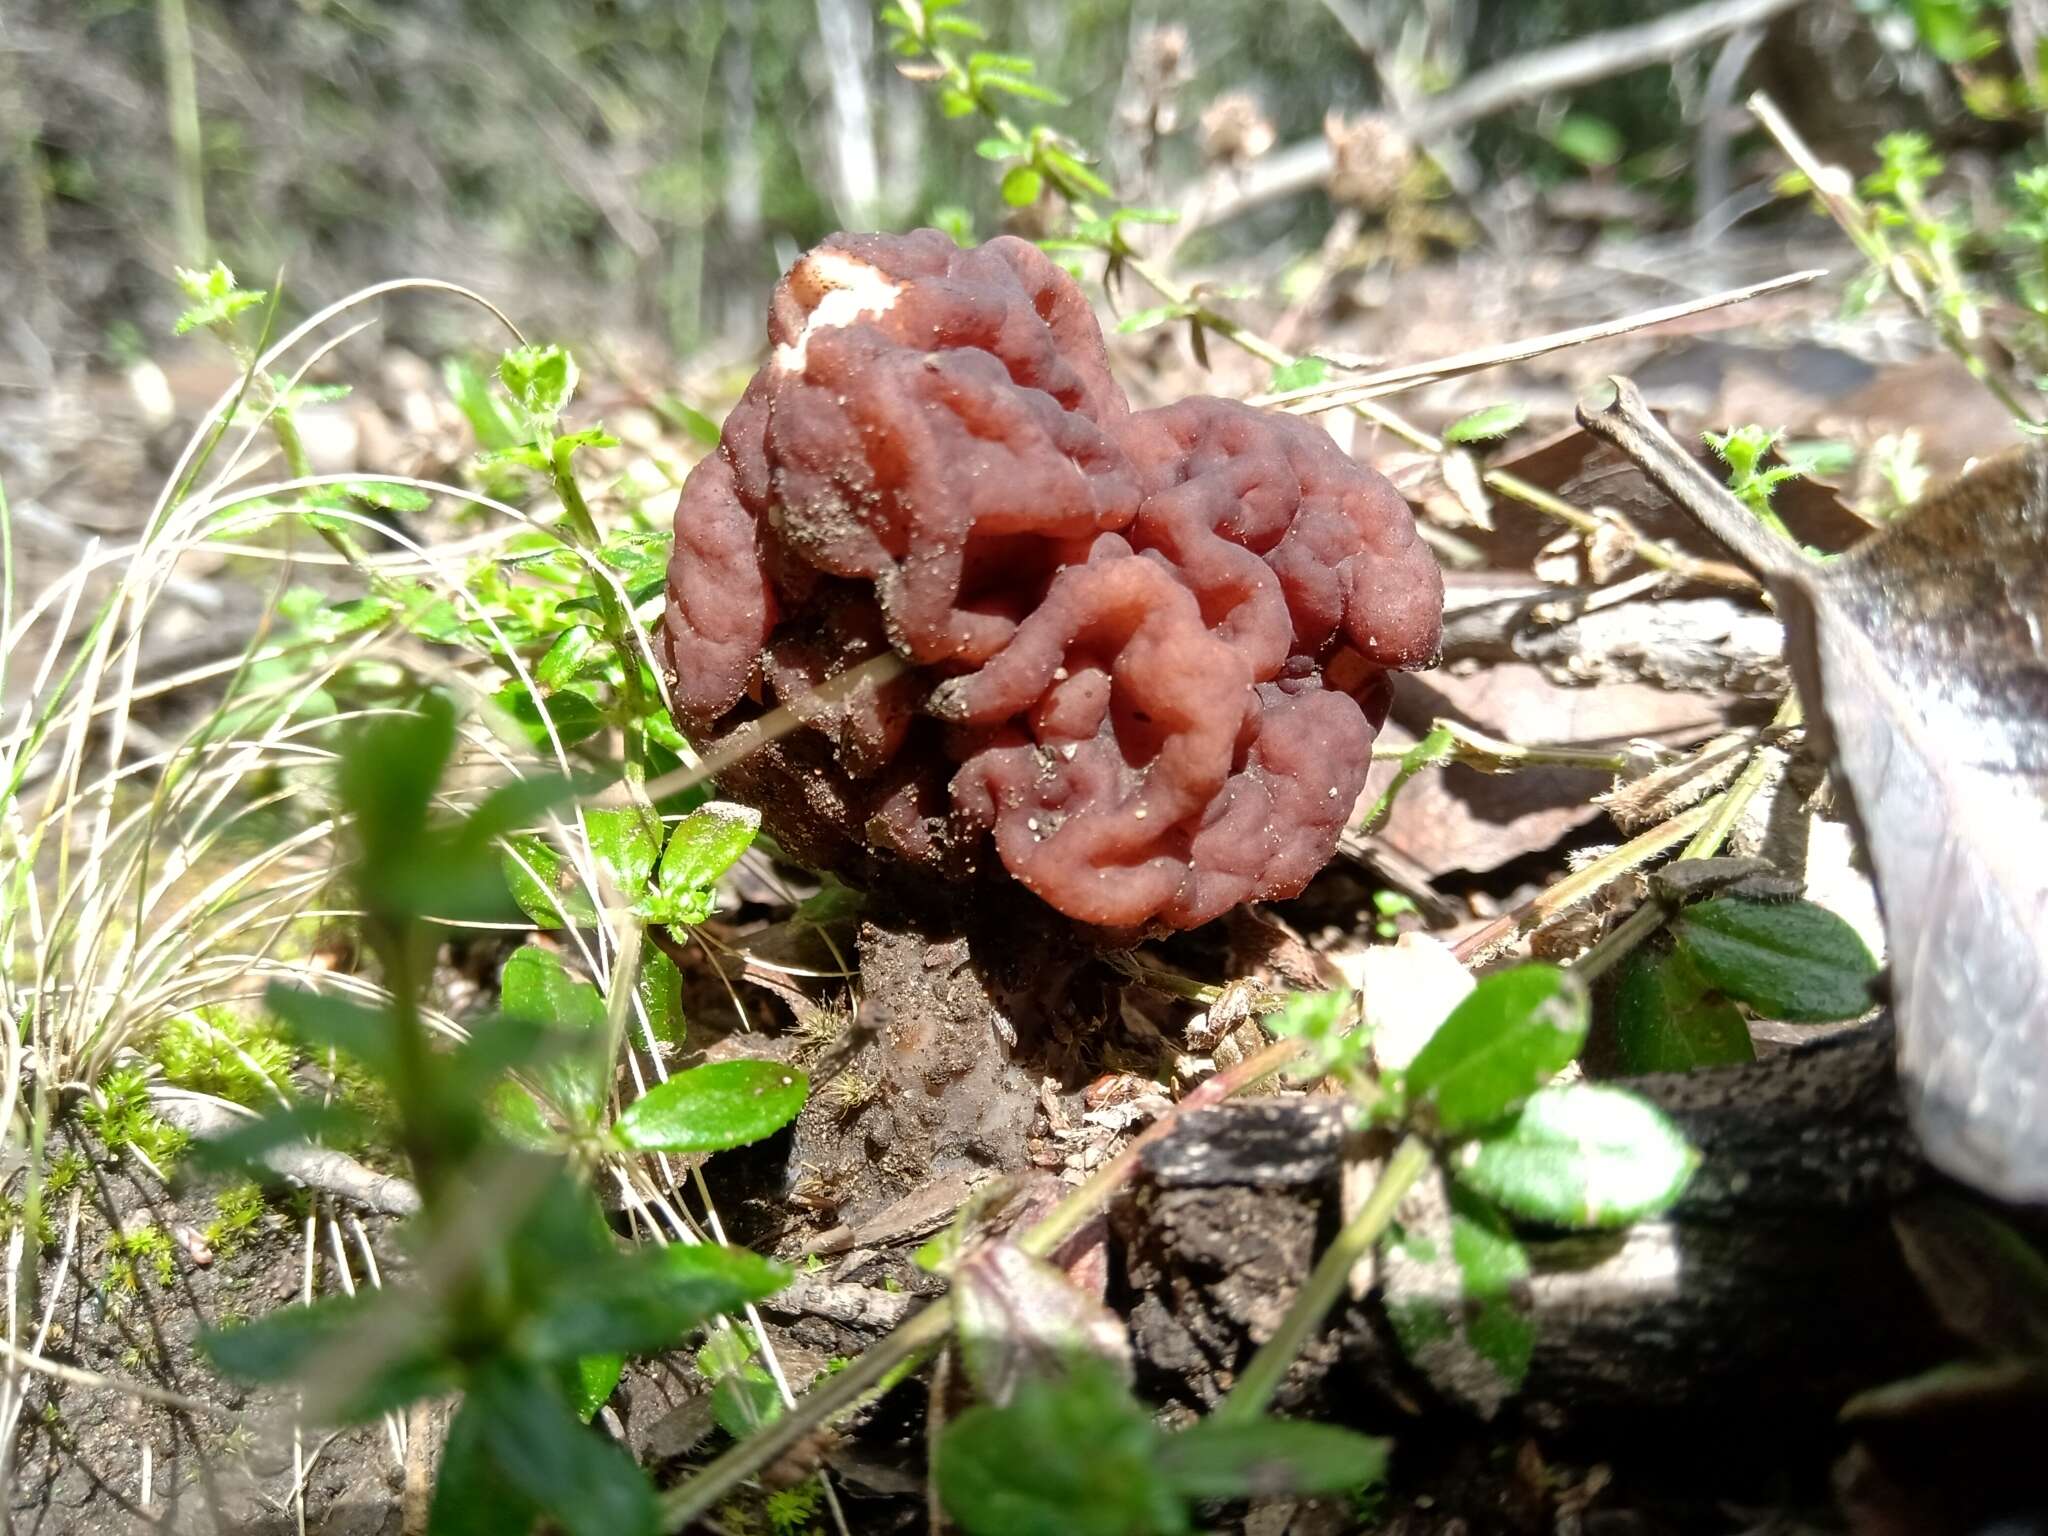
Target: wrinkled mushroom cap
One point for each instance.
(1136, 660)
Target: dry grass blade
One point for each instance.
(1341, 393)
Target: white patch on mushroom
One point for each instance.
(847, 289)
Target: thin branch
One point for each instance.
(1302, 166)
(1389, 381)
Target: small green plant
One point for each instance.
(1745, 450)
(118, 1113)
(528, 1312)
(143, 1249)
(218, 1050)
(237, 1210)
(1389, 907)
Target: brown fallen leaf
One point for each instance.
(1922, 659)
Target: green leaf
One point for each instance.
(646, 1299)
(1302, 373)
(1493, 1270)
(681, 413)
(660, 989)
(384, 496)
(471, 1496)
(1987, 1283)
(1486, 424)
(575, 716)
(283, 1344)
(545, 884)
(1788, 960)
(583, 1480)
(596, 1377)
(535, 985)
(1667, 1018)
(542, 380)
(705, 844)
(625, 840)
(215, 298)
(712, 1107)
(320, 1023)
(251, 1141)
(578, 651)
(1076, 1457)
(1074, 178)
(1021, 186)
(1580, 1156)
(1455, 1288)
(1146, 319)
(1212, 1459)
(1027, 90)
(1513, 1033)
(1323, 1022)
(494, 426)
(1019, 1316)
(1590, 140)
(998, 149)
(390, 768)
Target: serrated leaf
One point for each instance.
(712, 1107)
(1323, 1022)
(1788, 960)
(1488, 423)
(1513, 1033)
(385, 496)
(541, 380)
(1580, 1156)
(1667, 1018)
(578, 651)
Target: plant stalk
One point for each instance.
(1261, 1379)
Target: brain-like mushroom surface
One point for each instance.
(1135, 660)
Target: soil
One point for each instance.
(92, 1462)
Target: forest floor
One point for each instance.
(930, 1103)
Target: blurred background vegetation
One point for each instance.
(645, 167)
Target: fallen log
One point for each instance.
(1774, 1282)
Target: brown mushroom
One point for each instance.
(1144, 655)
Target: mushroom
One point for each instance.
(1140, 658)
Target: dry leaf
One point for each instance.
(1923, 654)
(1922, 660)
